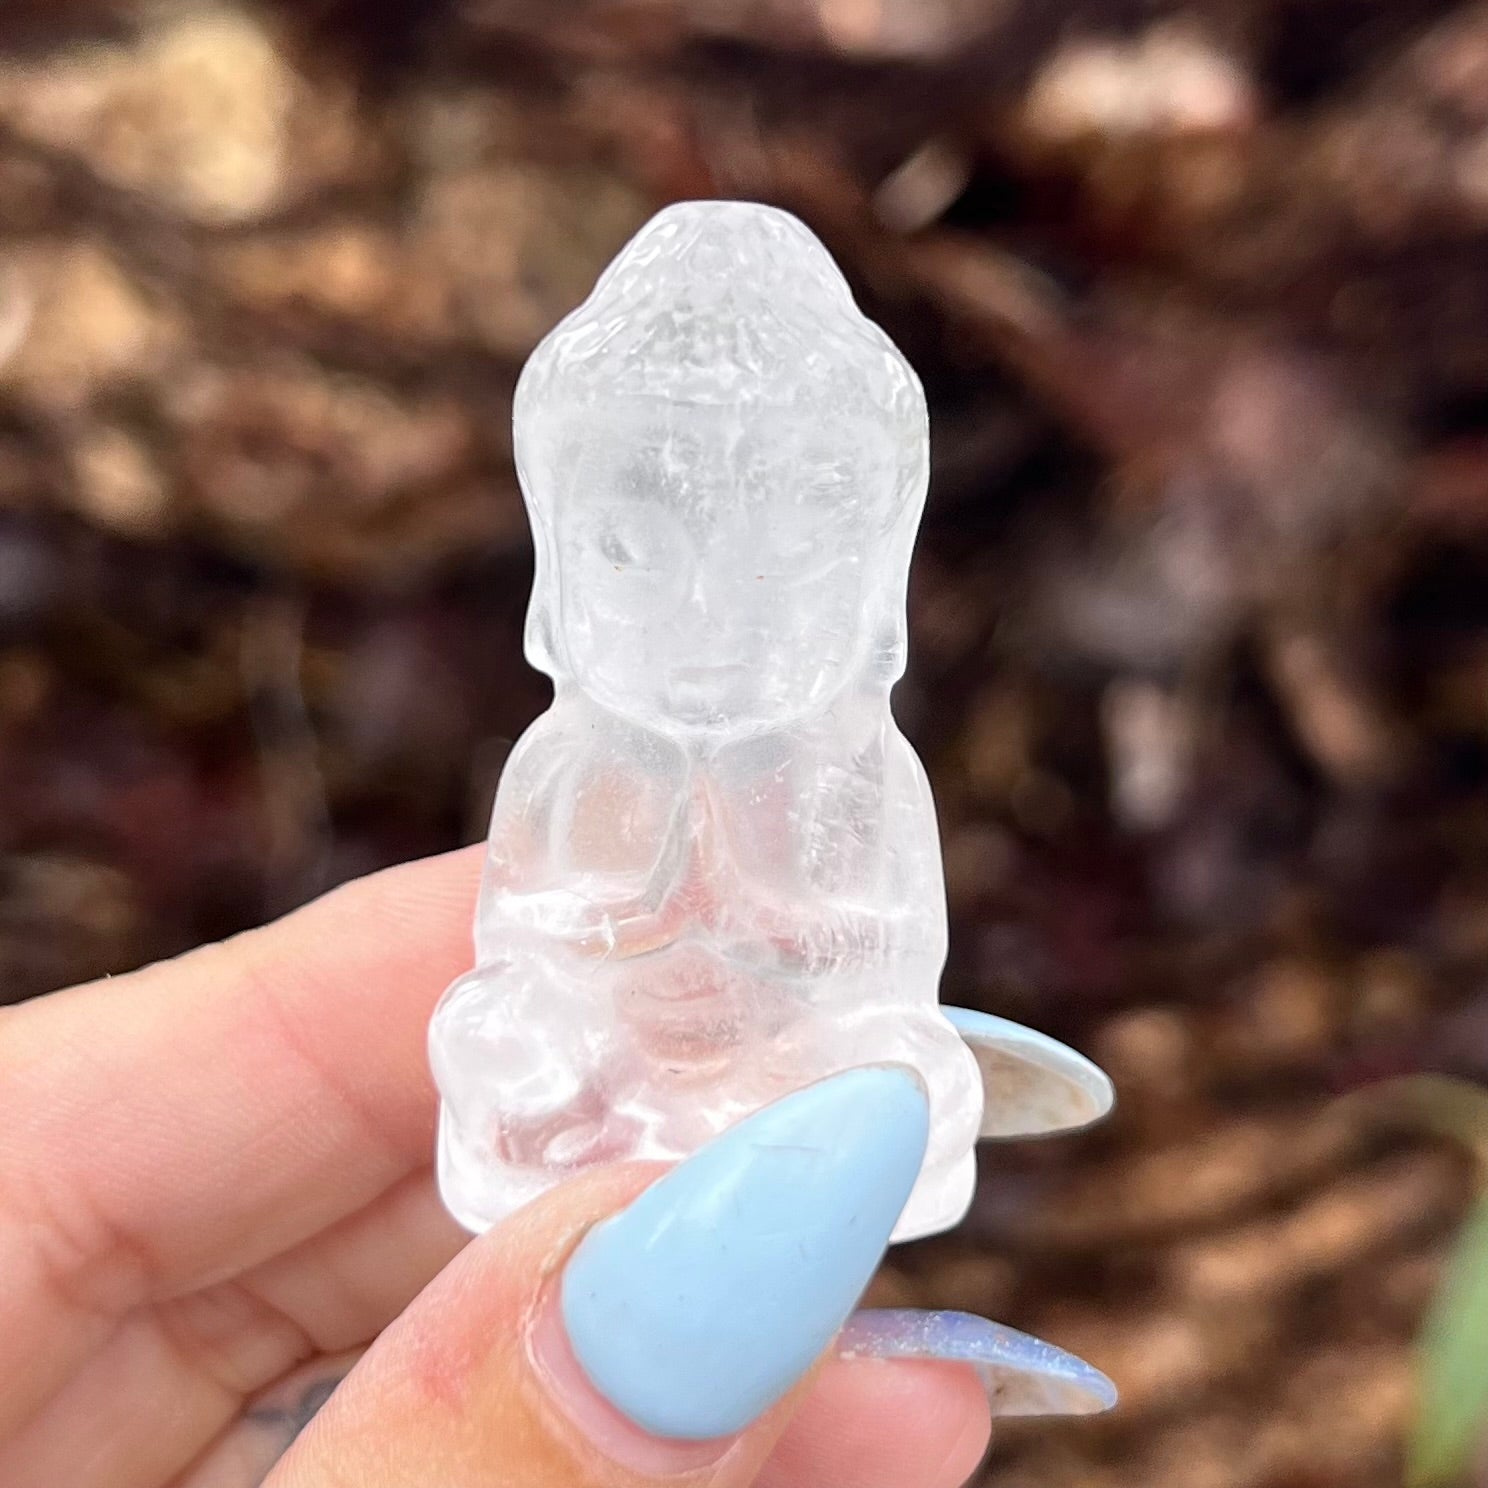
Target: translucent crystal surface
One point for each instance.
(713, 872)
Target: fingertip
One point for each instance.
(880, 1423)
(966, 1399)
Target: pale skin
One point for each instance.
(226, 1264)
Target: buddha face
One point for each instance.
(716, 448)
(714, 566)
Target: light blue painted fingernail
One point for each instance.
(1024, 1376)
(698, 1307)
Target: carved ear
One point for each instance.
(538, 637)
(908, 505)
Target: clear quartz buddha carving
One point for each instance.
(713, 873)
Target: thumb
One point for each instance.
(616, 1334)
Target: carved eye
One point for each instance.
(615, 550)
(826, 475)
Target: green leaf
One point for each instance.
(1452, 1367)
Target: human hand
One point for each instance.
(217, 1216)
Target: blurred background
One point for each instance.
(1199, 292)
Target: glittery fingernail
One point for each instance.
(1024, 1376)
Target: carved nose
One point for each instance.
(694, 611)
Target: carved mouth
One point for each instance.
(722, 672)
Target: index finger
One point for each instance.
(187, 1121)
